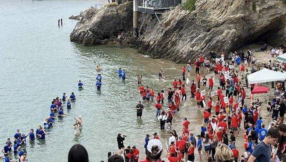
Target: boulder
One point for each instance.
(97, 25)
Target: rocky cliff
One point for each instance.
(219, 25)
(97, 25)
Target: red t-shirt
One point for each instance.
(242, 94)
(158, 106)
(234, 123)
(181, 145)
(220, 117)
(211, 82)
(206, 114)
(183, 90)
(135, 153)
(223, 124)
(158, 98)
(192, 150)
(186, 123)
(235, 153)
(172, 149)
(198, 96)
(219, 136)
(218, 92)
(210, 104)
(217, 108)
(175, 84)
(183, 70)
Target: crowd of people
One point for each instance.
(18, 144)
(228, 114)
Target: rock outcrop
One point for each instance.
(97, 25)
(219, 25)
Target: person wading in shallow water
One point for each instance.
(120, 139)
(139, 108)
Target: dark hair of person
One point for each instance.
(154, 155)
(109, 154)
(282, 127)
(78, 153)
(273, 132)
(115, 158)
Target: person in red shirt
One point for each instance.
(158, 97)
(156, 136)
(211, 83)
(242, 68)
(217, 108)
(135, 153)
(219, 134)
(174, 158)
(181, 144)
(175, 84)
(184, 73)
(218, 92)
(199, 80)
(191, 153)
(198, 98)
(186, 123)
(183, 91)
(221, 116)
(235, 154)
(162, 96)
(158, 106)
(209, 104)
(234, 123)
(243, 95)
(207, 114)
(193, 89)
(172, 106)
(141, 90)
(197, 66)
(223, 124)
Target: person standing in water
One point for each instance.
(61, 22)
(80, 84)
(139, 79)
(161, 74)
(123, 75)
(79, 120)
(98, 85)
(119, 72)
(139, 108)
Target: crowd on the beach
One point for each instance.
(229, 114)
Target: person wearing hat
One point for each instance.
(154, 151)
(156, 136)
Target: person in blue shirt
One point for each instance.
(16, 147)
(6, 148)
(69, 104)
(61, 113)
(98, 85)
(238, 60)
(9, 144)
(18, 134)
(123, 75)
(98, 78)
(146, 142)
(80, 84)
(250, 146)
(64, 97)
(40, 133)
(32, 135)
(259, 122)
(200, 146)
(203, 130)
(120, 73)
(53, 106)
(6, 159)
(60, 104)
(23, 138)
(262, 132)
(72, 96)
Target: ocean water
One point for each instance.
(39, 63)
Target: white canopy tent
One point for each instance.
(265, 75)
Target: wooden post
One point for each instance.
(135, 18)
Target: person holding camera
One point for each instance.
(120, 139)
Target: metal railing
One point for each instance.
(159, 3)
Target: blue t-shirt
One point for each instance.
(64, 97)
(80, 84)
(52, 114)
(262, 133)
(120, 73)
(32, 136)
(259, 123)
(98, 83)
(53, 106)
(238, 60)
(68, 105)
(250, 147)
(123, 75)
(6, 149)
(17, 135)
(146, 142)
(6, 159)
(16, 147)
(98, 78)
(72, 96)
(200, 144)
(203, 129)
(61, 112)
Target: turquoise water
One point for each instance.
(39, 63)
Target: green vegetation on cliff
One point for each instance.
(190, 5)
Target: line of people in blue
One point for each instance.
(19, 143)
